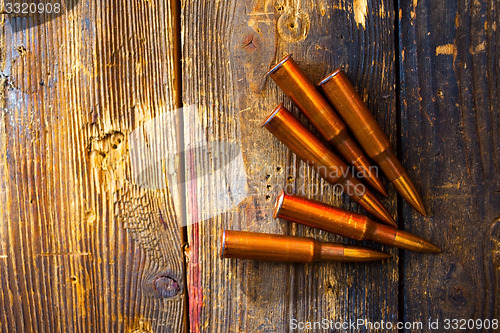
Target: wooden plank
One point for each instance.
(83, 248)
(228, 47)
(450, 141)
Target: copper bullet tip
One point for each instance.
(379, 186)
(377, 209)
(383, 191)
(369, 177)
(279, 64)
(362, 254)
(411, 242)
(408, 191)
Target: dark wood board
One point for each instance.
(450, 143)
(87, 245)
(228, 47)
(82, 247)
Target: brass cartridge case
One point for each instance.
(261, 246)
(325, 217)
(282, 124)
(297, 86)
(344, 97)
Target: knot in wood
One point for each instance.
(166, 286)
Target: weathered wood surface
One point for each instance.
(450, 135)
(228, 47)
(82, 247)
(87, 246)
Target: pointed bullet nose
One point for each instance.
(434, 249)
(362, 165)
(370, 177)
(371, 204)
(381, 189)
(359, 254)
(411, 242)
(408, 191)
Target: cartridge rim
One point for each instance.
(279, 64)
(279, 204)
(271, 116)
(329, 76)
(223, 244)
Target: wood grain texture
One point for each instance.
(89, 245)
(82, 247)
(450, 138)
(227, 50)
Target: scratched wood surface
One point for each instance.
(83, 247)
(90, 236)
(228, 48)
(450, 135)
